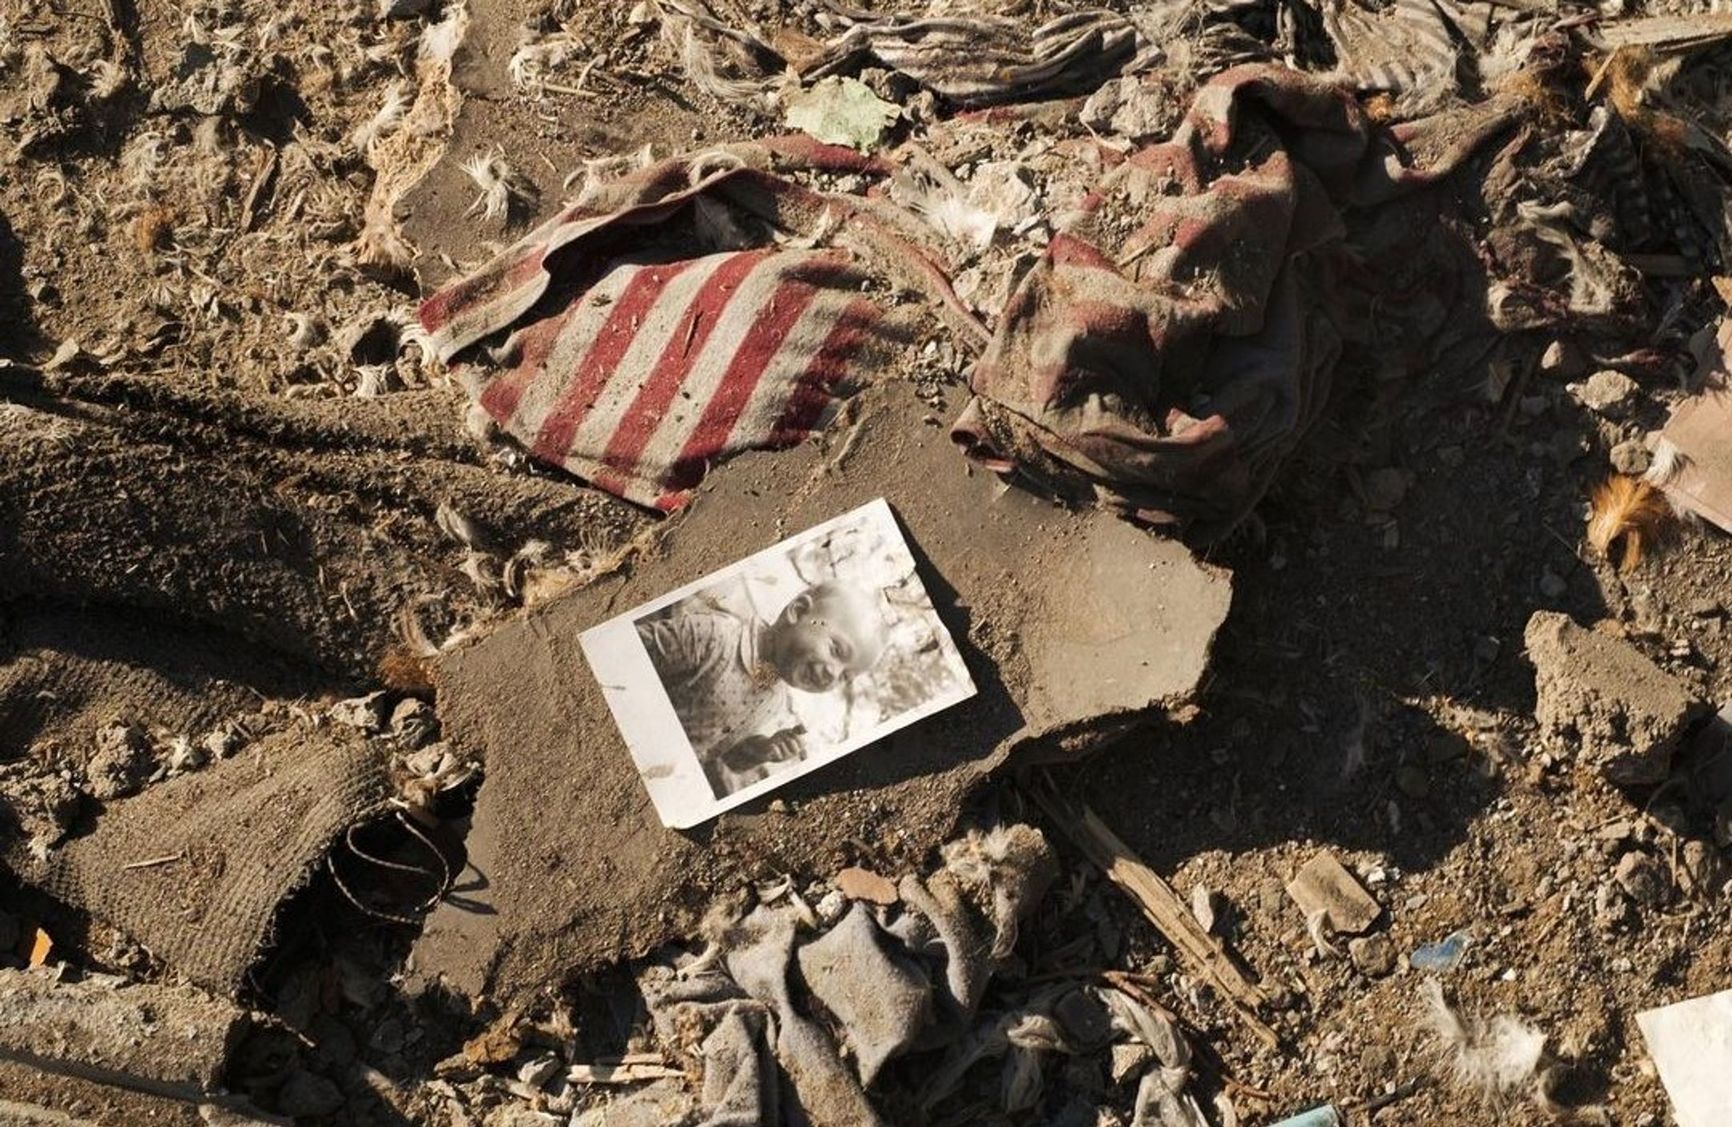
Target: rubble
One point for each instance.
(1057, 674)
(1604, 702)
(123, 761)
(1323, 886)
(1606, 392)
(165, 1040)
(1373, 955)
(1358, 300)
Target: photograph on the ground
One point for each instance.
(776, 665)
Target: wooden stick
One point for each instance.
(154, 861)
(1164, 908)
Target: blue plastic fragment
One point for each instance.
(1444, 955)
(1325, 1116)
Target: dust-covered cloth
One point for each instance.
(1177, 340)
(650, 334)
(1172, 345)
(885, 981)
(197, 867)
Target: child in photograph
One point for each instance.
(727, 674)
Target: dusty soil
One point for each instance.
(214, 364)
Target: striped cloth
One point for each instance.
(638, 371)
(1163, 356)
(1182, 334)
(664, 368)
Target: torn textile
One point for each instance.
(650, 335)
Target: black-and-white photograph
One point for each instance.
(776, 665)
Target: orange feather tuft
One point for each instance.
(1630, 510)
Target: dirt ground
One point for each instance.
(209, 262)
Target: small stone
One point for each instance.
(1324, 885)
(1606, 393)
(1087, 1024)
(1631, 457)
(224, 741)
(1411, 780)
(1129, 1059)
(1611, 907)
(536, 1073)
(414, 723)
(1562, 360)
(1271, 894)
(122, 762)
(1203, 900)
(640, 14)
(1374, 955)
(1602, 697)
(1643, 878)
(307, 1094)
(184, 756)
(1701, 869)
(364, 713)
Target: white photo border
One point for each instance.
(666, 762)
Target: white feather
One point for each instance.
(1498, 1058)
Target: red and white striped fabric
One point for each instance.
(637, 371)
(661, 369)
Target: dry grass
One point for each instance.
(1630, 511)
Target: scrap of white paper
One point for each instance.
(1691, 1043)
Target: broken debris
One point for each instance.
(1323, 888)
(1602, 700)
(841, 111)
(168, 1040)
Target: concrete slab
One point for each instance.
(1076, 626)
(1605, 701)
(167, 1041)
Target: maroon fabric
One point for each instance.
(1176, 342)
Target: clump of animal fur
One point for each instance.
(1630, 512)
(1501, 1060)
(505, 191)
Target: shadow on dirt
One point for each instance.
(19, 336)
(1351, 629)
